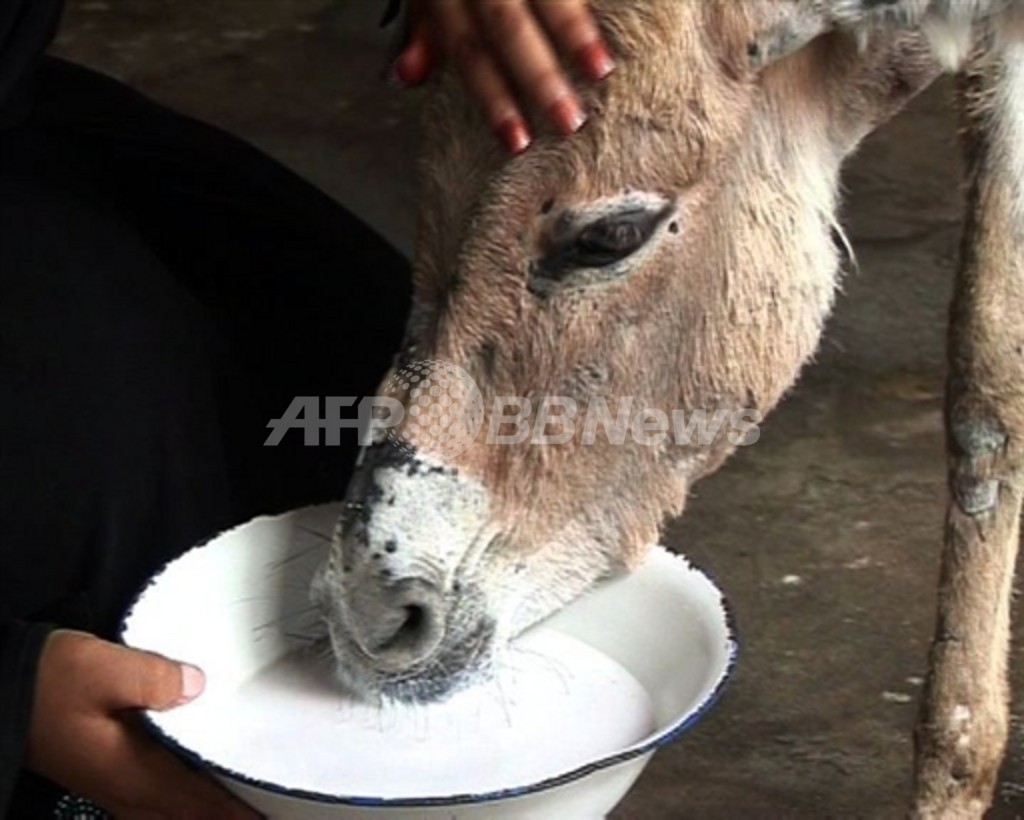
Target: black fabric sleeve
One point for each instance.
(26, 29)
(20, 646)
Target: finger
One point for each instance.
(530, 61)
(572, 28)
(482, 75)
(132, 679)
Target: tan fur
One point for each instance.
(738, 116)
(724, 317)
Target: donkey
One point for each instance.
(681, 251)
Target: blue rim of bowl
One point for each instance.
(652, 744)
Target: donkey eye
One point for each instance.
(613, 238)
(595, 251)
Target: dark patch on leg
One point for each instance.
(977, 434)
(975, 495)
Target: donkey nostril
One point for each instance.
(414, 618)
(398, 625)
(409, 631)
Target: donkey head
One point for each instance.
(675, 258)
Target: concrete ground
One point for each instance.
(825, 535)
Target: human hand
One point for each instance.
(509, 49)
(84, 733)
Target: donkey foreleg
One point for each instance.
(962, 732)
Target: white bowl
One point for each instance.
(577, 707)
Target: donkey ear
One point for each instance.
(783, 28)
(868, 84)
(861, 81)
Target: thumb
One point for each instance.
(145, 680)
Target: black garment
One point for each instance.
(26, 29)
(165, 290)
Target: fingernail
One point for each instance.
(595, 60)
(567, 115)
(396, 74)
(411, 67)
(192, 683)
(405, 71)
(512, 132)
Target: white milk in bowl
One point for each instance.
(552, 705)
